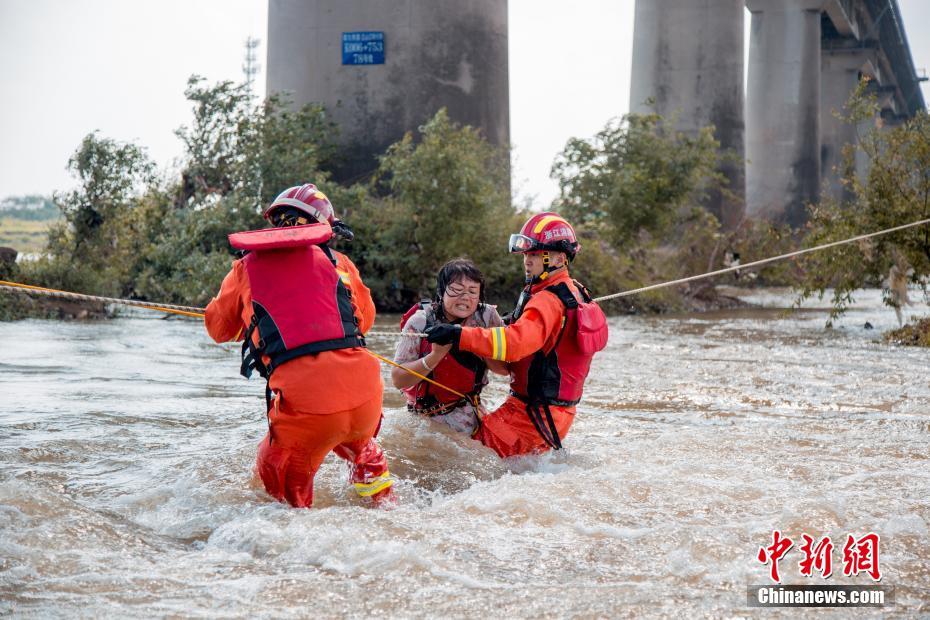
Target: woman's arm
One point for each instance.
(407, 354)
(422, 365)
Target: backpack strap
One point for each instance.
(565, 295)
(585, 294)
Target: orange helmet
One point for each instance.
(307, 199)
(546, 232)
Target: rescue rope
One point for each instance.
(196, 312)
(52, 292)
(423, 377)
(764, 261)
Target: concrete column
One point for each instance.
(437, 53)
(688, 59)
(841, 70)
(783, 109)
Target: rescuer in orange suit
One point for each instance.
(302, 310)
(548, 344)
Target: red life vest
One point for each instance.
(462, 371)
(557, 376)
(299, 302)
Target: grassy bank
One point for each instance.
(24, 236)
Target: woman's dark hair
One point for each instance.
(455, 270)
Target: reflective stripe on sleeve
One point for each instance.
(498, 343)
(367, 489)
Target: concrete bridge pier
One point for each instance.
(841, 69)
(428, 54)
(688, 59)
(783, 109)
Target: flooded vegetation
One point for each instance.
(126, 484)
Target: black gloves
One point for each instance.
(444, 333)
(342, 231)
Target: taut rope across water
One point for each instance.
(196, 312)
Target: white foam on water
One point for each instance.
(126, 485)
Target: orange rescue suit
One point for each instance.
(509, 430)
(323, 402)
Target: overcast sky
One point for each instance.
(68, 67)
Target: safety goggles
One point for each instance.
(521, 243)
(456, 292)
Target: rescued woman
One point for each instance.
(459, 300)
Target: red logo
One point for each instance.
(819, 557)
(860, 555)
(774, 552)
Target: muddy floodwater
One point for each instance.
(126, 488)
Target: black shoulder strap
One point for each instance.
(585, 295)
(564, 293)
(329, 253)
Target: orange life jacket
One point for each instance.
(462, 371)
(300, 305)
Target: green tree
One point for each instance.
(631, 193)
(444, 196)
(635, 176)
(895, 191)
(238, 156)
(129, 232)
(90, 248)
(255, 150)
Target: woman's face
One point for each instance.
(461, 298)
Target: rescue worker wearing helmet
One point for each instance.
(302, 310)
(459, 300)
(548, 344)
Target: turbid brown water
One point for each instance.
(126, 449)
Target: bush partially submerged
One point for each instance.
(915, 333)
(895, 191)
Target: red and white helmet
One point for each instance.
(306, 198)
(546, 232)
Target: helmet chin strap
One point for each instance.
(546, 272)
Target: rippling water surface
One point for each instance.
(126, 450)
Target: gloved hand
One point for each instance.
(444, 333)
(341, 230)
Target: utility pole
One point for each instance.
(251, 67)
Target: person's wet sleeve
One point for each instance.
(362, 303)
(539, 322)
(223, 316)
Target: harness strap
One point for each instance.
(437, 408)
(268, 401)
(544, 426)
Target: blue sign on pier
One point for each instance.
(363, 48)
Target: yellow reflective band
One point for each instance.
(499, 344)
(549, 218)
(344, 276)
(367, 489)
